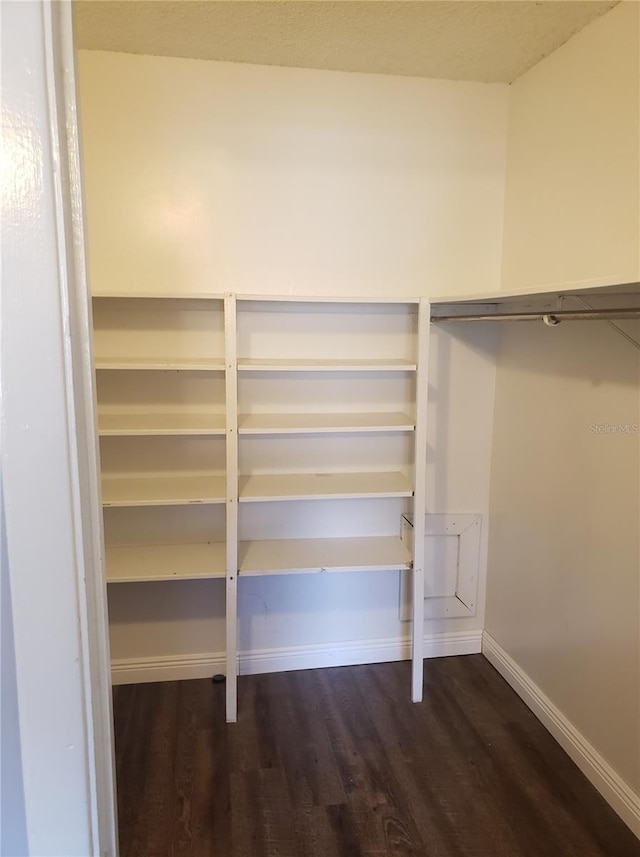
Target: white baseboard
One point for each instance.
(166, 668)
(174, 668)
(597, 770)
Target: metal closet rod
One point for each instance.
(553, 317)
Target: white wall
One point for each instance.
(563, 586)
(225, 177)
(230, 177)
(564, 563)
(573, 189)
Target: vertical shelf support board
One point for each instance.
(419, 499)
(231, 392)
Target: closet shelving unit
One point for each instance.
(297, 425)
(160, 378)
(330, 410)
(321, 411)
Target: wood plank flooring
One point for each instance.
(339, 763)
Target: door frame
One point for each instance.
(53, 547)
(83, 431)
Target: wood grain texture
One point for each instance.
(338, 763)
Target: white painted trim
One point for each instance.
(231, 400)
(57, 594)
(82, 427)
(596, 769)
(350, 653)
(420, 499)
(166, 668)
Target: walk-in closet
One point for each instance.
(362, 390)
(366, 353)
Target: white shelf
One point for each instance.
(607, 285)
(134, 564)
(308, 556)
(346, 365)
(125, 423)
(137, 490)
(191, 364)
(328, 299)
(318, 423)
(154, 296)
(185, 411)
(327, 486)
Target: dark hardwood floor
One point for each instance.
(339, 763)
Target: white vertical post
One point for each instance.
(231, 398)
(420, 499)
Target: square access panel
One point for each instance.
(452, 560)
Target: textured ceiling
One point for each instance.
(489, 41)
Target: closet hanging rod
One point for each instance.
(534, 315)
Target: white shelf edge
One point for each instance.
(609, 283)
(162, 491)
(161, 433)
(312, 424)
(112, 581)
(283, 487)
(155, 296)
(123, 424)
(319, 556)
(207, 561)
(169, 501)
(328, 299)
(269, 365)
(153, 364)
